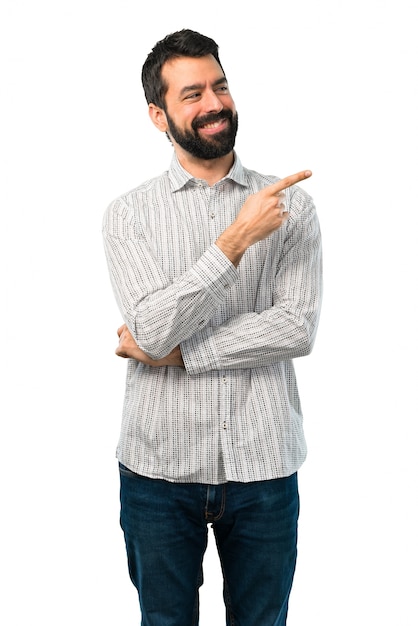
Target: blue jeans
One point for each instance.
(255, 527)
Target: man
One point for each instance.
(217, 273)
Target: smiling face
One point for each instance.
(199, 115)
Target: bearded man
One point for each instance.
(217, 273)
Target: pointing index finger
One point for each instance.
(289, 181)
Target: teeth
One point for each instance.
(213, 125)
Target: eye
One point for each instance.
(193, 96)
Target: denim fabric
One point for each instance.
(255, 527)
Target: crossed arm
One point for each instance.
(262, 214)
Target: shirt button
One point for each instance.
(224, 426)
(212, 215)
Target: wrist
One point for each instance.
(233, 244)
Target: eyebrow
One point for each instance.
(199, 86)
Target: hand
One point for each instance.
(128, 349)
(261, 214)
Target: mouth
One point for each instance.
(214, 127)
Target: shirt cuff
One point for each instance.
(199, 352)
(215, 271)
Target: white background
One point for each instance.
(325, 85)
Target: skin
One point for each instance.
(197, 87)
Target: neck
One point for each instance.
(211, 170)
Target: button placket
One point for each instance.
(226, 429)
(212, 210)
(224, 382)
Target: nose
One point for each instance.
(211, 102)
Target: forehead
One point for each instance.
(184, 71)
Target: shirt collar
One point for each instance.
(179, 177)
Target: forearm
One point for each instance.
(251, 340)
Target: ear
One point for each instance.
(158, 117)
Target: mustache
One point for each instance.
(210, 118)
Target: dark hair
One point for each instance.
(184, 43)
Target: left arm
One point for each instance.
(283, 331)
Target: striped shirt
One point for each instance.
(233, 413)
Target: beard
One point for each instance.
(206, 148)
